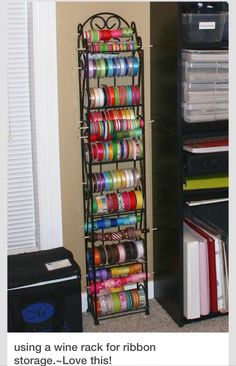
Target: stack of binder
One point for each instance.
(204, 85)
(205, 269)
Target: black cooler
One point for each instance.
(44, 292)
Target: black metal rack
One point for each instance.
(108, 21)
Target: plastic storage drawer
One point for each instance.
(205, 55)
(203, 28)
(44, 292)
(205, 92)
(205, 71)
(204, 112)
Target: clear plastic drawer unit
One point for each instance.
(197, 71)
(205, 92)
(204, 112)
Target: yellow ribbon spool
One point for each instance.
(139, 200)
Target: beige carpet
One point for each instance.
(157, 321)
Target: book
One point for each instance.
(204, 182)
(220, 240)
(206, 146)
(203, 271)
(211, 262)
(191, 275)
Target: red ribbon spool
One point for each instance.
(105, 34)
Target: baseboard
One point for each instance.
(150, 296)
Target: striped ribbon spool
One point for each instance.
(112, 46)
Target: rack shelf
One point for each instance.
(113, 162)
(99, 26)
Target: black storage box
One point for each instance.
(203, 28)
(44, 292)
(197, 164)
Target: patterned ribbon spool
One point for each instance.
(95, 36)
(128, 233)
(120, 302)
(113, 47)
(117, 282)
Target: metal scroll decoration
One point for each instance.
(106, 21)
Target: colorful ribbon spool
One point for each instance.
(113, 96)
(116, 254)
(115, 284)
(113, 222)
(114, 46)
(113, 180)
(113, 67)
(117, 202)
(111, 114)
(120, 302)
(95, 36)
(125, 149)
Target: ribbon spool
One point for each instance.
(128, 233)
(108, 130)
(125, 149)
(116, 253)
(112, 222)
(115, 283)
(112, 47)
(112, 67)
(109, 96)
(103, 274)
(95, 36)
(112, 180)
(111, 114)
(117, 202)
(120, 302)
